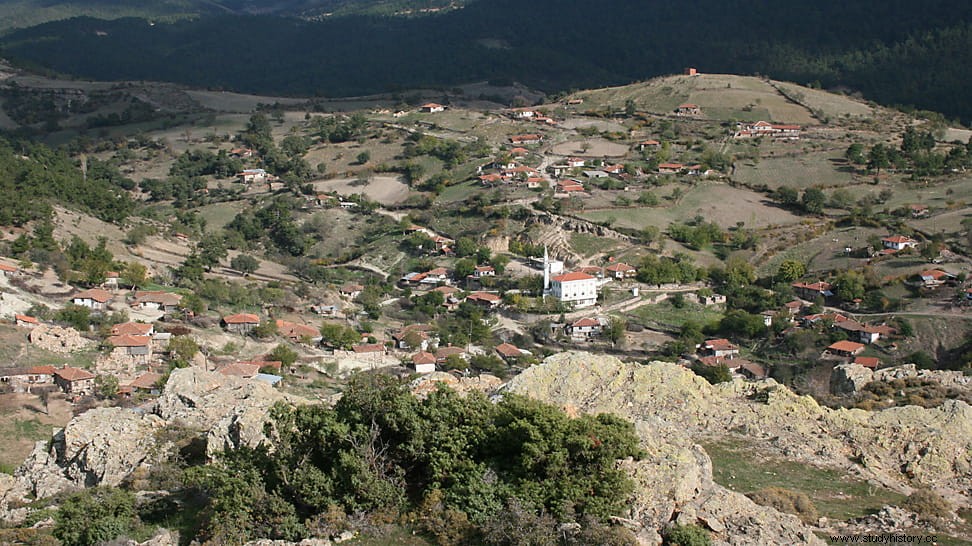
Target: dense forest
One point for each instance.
(893, 52)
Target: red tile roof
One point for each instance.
(898, 239)
(147, 381)
(423, 357)
(484, 296)
(26, 318)
(42, 370)
(585, 322)
(68, 373)
(846, 346)
(240, 369)
(572, 276)
(369, 348)
(867, 361)
(126, 340)
(721, 344)
(131, 328)
(508, 350)
(7, 268)
(242, 318)
(620, 267)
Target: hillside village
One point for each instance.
(737, 227)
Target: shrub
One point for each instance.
(790, 502)
(94, 516)
(686, 535)
(927, 504)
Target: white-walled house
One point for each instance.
(575, 288)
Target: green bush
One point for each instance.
(94, 516)
(686, 535)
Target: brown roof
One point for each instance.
(293, 329)
(42, 370)
(68, 373)
(444, 352)
(719, 345)
(275, 364)
(157, 296)
(126, 340)
(423, 357)
(242, 318)
(585, 322)
(508, 350)
(96, 294)
(867, 361)
(131, 328)
(484, 296)
(147, 381)
(369, 348)
(240, 369)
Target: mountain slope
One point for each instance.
(859, 46)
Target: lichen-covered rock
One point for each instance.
(99, 447)
(849, 378)
(429, 382)
(671, 407)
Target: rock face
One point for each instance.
(104, 446)
(100, 447)
(849, 378)
(57, 339)
(231, 409)
(670, 405)
(427, 383)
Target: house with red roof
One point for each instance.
(75, 381)
(899, 242)
(509, 352)
(95, 299)
(484, 271)
(23, 379)
(298, 332)
(918, 210)
(133, 329)
(26, 321)
(621, 271)
(670, 168)
(576, 288)
(423, 362)
(720, 348)
(810, 291)
(526, 139)
(241, 323)
(585, 328)
(485, 300)
(871, 362)
(847, 349)
(432, 108)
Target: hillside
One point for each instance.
(864, 46)
(739, 268)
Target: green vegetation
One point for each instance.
(464, 462)
(834, 494)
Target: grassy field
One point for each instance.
(668, 317)
(717, 202)
(589, 245)
(835, 494)
(822, 169)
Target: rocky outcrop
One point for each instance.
(672, 407)
(105, 446)
(57, 339)
(427, 383)
(231, 409)
(849, 378)
(100, 447)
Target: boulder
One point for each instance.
(849, 378)
(99, 447)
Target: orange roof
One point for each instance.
(26, 318)
(483, 296)
(432, 105)
(867, 361)
(898, 239)
(242, 318)
(292, 329)
(585, 322)
(670, 166)
(276, 364)
(721, 344)
(423, 357)
(651, 142)
(572, 276)
(508, 350)
(127, 340)
(620, 267)
(445, 352)
(42, 370)
(68, 373)
(846, 346)
(688, 105)
(131, 328)
(369, 348)
(7, 268)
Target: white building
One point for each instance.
(575, 288)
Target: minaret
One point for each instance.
(546, 270)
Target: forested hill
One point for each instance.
(893, 51)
